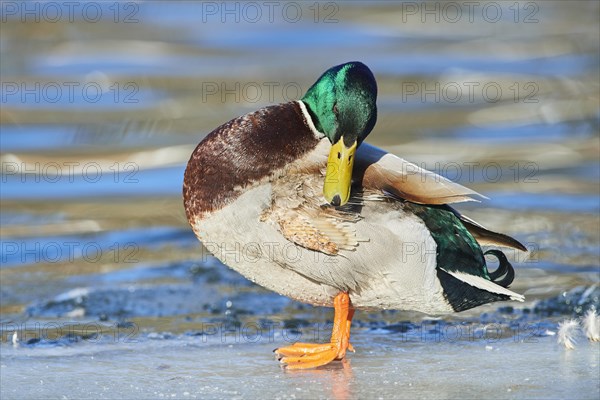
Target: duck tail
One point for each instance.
(505, 273)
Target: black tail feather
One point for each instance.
(505, 270)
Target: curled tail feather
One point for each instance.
(505, 273)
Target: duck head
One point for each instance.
(343, 106)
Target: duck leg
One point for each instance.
(312, 355)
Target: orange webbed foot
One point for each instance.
(313, 355)
(307, 355)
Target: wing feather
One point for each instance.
(297, 213)
(485, 237)
(379, 170)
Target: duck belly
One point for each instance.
(393, 266)
(257, 250)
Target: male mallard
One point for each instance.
(290, 197)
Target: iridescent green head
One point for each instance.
(342, 102)
(343, 106)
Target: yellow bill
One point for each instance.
(338, 178)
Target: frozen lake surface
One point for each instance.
(112, 296)
(386, 365)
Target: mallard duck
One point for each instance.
(292, 198)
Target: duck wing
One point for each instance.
(377, 169)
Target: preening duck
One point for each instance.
(292, 198)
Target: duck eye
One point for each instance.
(339, 155)
(335, 109)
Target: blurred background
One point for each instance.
(103, 103)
